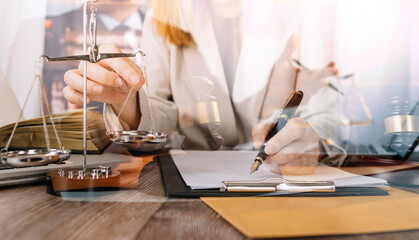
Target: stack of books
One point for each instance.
(30, 133)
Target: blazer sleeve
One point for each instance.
(157, 87)
(324, 113)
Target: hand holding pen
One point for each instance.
(291, 146)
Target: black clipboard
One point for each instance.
(175, 187)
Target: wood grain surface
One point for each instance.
(28, 212)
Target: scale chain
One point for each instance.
(150, 113)
(5, 149)
(40, 79)
(42, 100)
(42, 113)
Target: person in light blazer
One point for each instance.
(246, 56)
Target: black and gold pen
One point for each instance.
(287, 113)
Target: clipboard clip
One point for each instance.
(273, 185)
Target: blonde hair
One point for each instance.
(166, 18)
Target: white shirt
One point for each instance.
(133, 23)
(229, 38)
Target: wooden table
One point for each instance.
(28, 212)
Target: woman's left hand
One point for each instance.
(293, 150)
(311, 81)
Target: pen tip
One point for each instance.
(254, 167)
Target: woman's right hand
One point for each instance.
(108, 81)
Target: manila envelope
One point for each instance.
(269, 217)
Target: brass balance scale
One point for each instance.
(83, 178)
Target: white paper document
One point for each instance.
(207, 169)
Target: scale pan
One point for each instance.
(34, 157)
(134, 136)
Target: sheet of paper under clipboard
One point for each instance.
(212, 169)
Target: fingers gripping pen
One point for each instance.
(290, 107)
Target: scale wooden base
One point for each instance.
(124, 175)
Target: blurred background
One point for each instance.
(376, 40)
